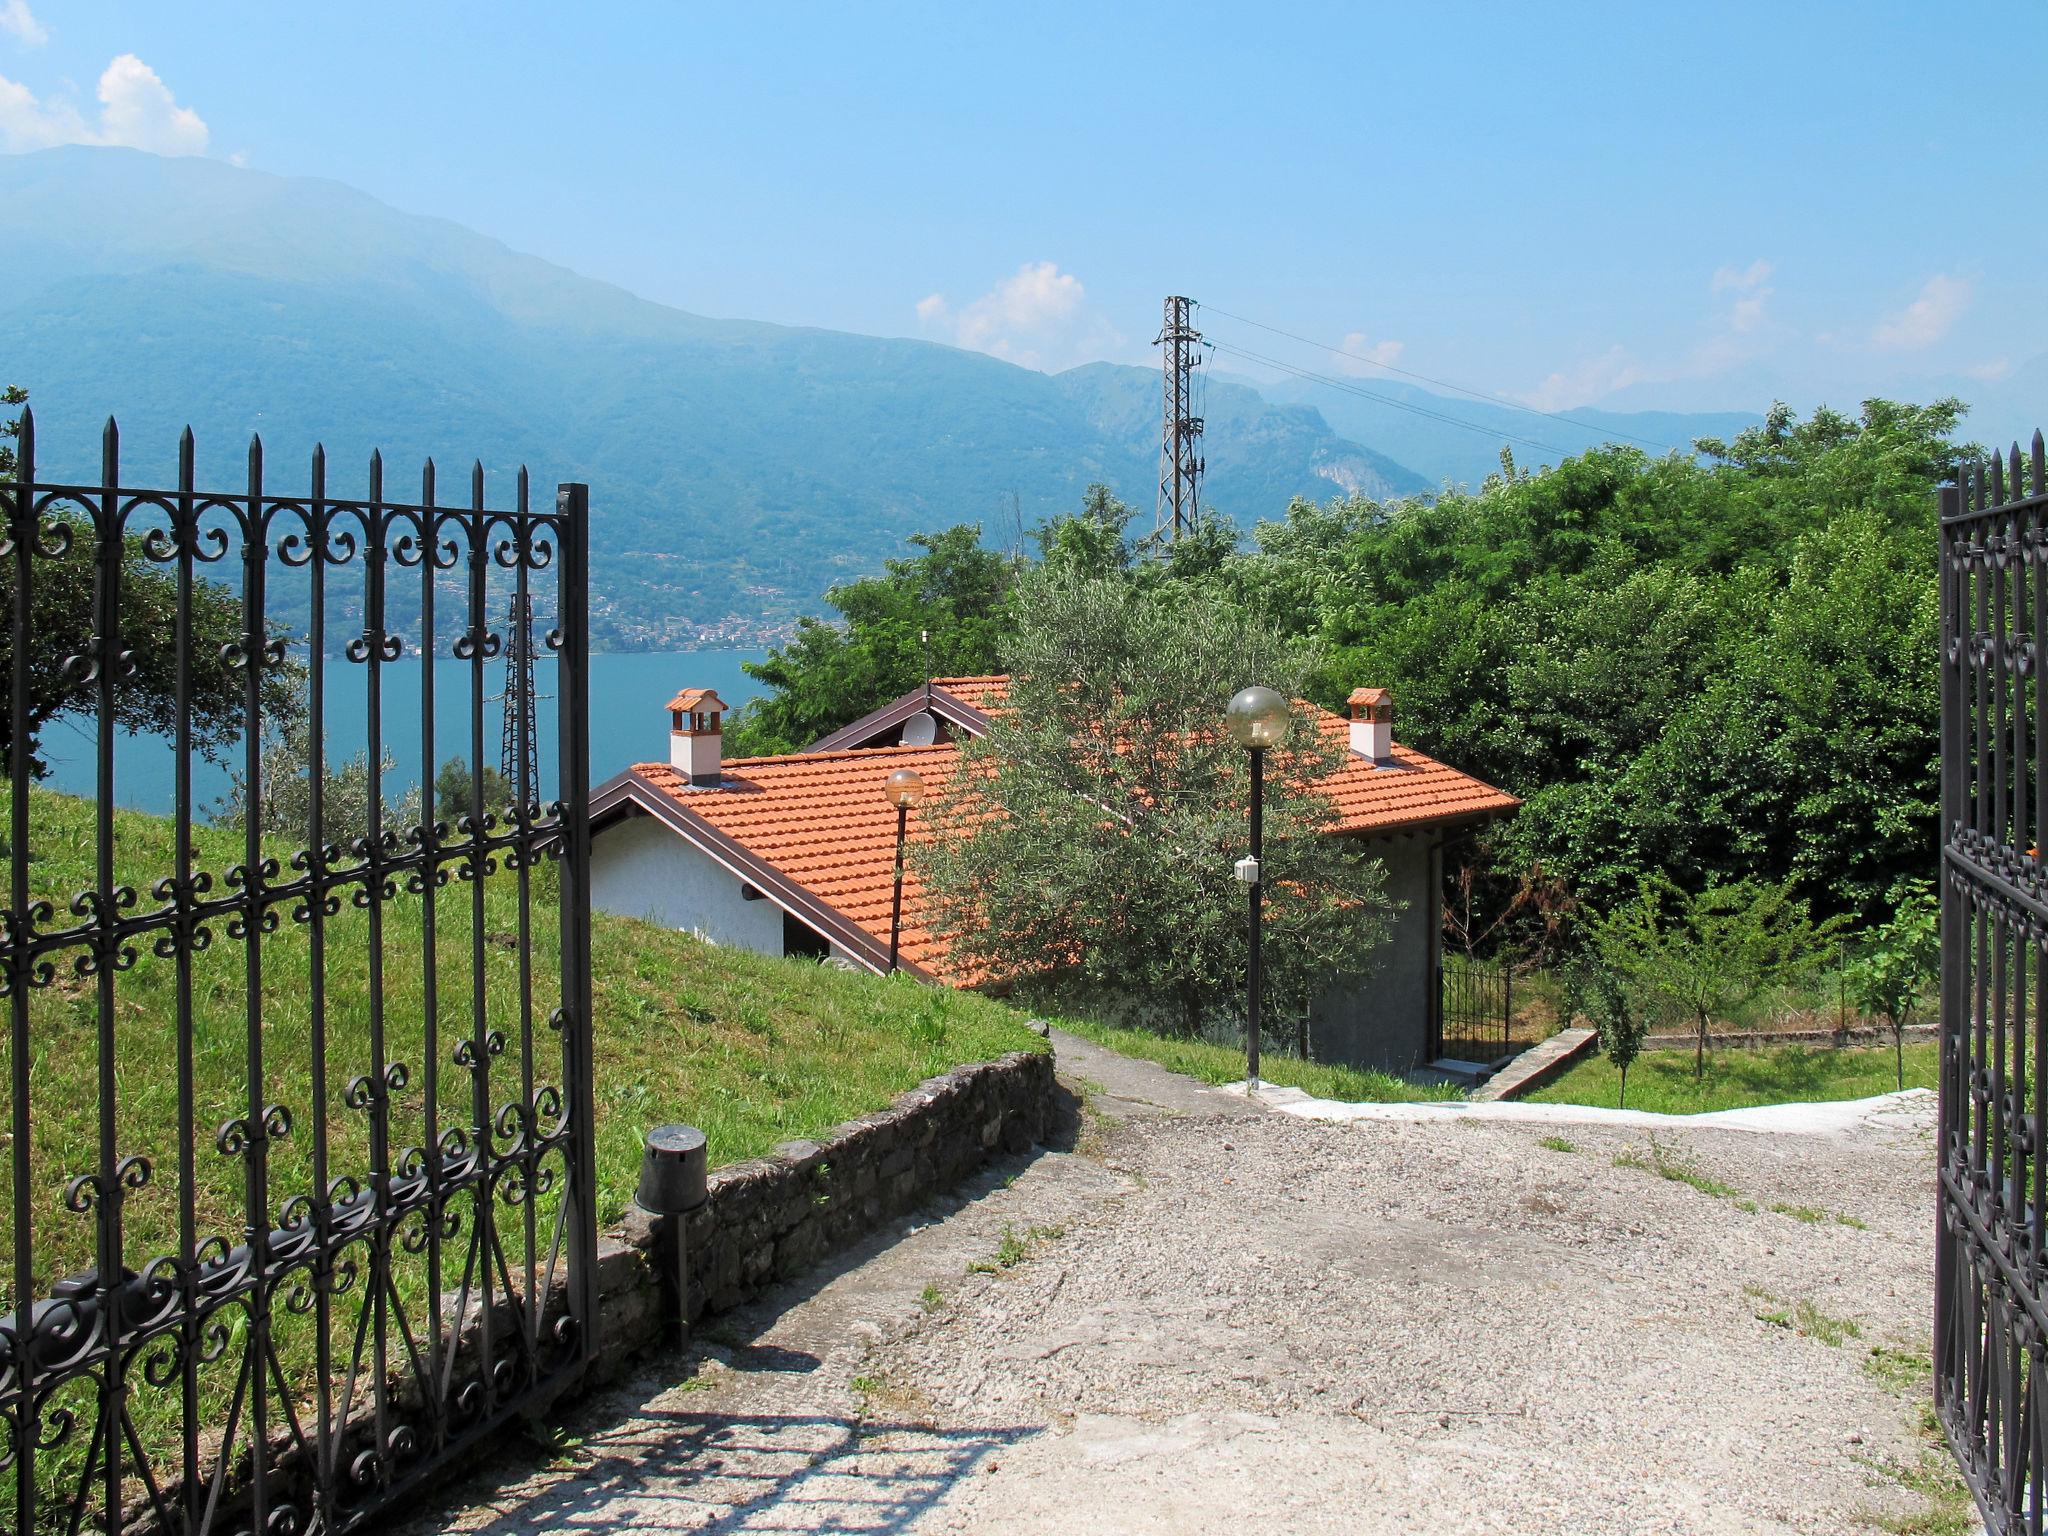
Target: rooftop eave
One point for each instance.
(948, 707)
(627, 792)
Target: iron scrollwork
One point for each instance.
(368, 1240)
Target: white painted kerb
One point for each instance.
(1839, 1118)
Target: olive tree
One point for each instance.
(63, 618)
(1088, 839)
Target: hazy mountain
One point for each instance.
(1407, 424)
(736, 468)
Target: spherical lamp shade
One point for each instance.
(1257, 717)
(905, 789)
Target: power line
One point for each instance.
(1389, 401)
(1423, 378)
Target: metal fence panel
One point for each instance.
(300, 1114)
(1991, 1305)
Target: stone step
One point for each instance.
(1536, 1065)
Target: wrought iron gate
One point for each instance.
(300, 1113)
(1475, 1009)
(1991, 1269)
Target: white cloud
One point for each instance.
(1748, 312)
(1927, 319)
(1742, 279)
(136, 110)
(1361, 352)
(15, 17)
(1752, 290)
(1585, 381)
(1990, 372)
(1037, 316)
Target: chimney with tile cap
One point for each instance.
(1372, 724)
(696, 747)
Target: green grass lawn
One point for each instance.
(1212, 1063)
(1783, 1074)
(753, 1049)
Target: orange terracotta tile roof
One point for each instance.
(819, 820)
(982, 693)
(1409, 791)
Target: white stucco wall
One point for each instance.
(639, 868)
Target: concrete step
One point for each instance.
(1537, 1064)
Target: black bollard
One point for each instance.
(672, 1184)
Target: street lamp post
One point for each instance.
(1257, 718)
(903, 789)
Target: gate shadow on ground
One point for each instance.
(759, 1473)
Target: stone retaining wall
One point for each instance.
(1862, 1034)
(771, 1218)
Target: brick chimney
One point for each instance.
(1372, 724)
(696, 746)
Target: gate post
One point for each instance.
(1954, 1005)
(572, 502)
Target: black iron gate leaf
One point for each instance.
(1991, 1289)
(332, 1221)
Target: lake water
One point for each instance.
(627, 723)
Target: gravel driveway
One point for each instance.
(1205, 1315)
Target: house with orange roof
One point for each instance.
(795, 854)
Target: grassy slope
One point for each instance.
(753, 1049)
(1786, 1074)
(1222, 1064)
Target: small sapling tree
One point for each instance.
(1708, 953)
(1899, 964)
(452, 790)
(1603, 995)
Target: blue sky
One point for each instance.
(1641, 204)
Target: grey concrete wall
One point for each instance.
(639, 868)
(1381, 1018)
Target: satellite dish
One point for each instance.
(921, 729)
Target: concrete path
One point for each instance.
(1195, 1313)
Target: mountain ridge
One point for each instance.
(738, 467)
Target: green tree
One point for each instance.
(1095, 541)
(452, 788)
(1708, 953)
(62, 622)
(1609, 998)
(284, 804)
(1899, 963)
(1718, 667)
(1088, 840)
(831, 674)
